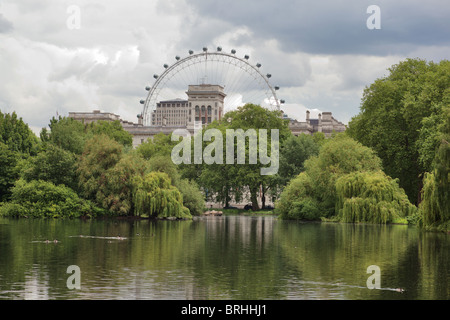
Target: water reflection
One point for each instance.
(228, 257)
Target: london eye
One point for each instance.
(243, 82)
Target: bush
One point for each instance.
(344, 183)
(371, 197)
(42, 199)
(154, 196)
(296, 201)
(192, 197)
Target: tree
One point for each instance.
(154, 195)
(9, 172)
(55, 165)
(392, 116)
(100, 154)
(435, 205)
(192, 197)
(371, 196)
(312, 194)
(42, 199)
(338, 156)
(66, 133)
(248, 176)
(71, 134)
(16, 134)
(160, 145)
(294, 151)
(112, 129)
(115, 190)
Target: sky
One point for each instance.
(59, 56)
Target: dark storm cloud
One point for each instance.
(333, 27)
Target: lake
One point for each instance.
(228, 257)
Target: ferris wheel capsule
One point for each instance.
(233, 51)
(147, 88)
(142, 101)
(258, 65)
(268, 75)
(246, 57)
(191, 52)
(166, 66)
(177, 58)
(219, 49)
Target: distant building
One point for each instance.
(204, 105)
(171, 113)
(96, 115)
(325, 123)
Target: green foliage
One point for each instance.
(116, 188)
(344, 182)
(163, 163)
(193, 199)
(53, 164)
(71, 134)
(100, 154)
(435, 205)
(153, 195)
(297, 200)
(8, 170)
(16, 134)
(371, 196)
(42, 199)
(338, 156)
(66, 133)
(393, 119)
(294, 151)
(112, 129)
(245, 176)
(160, 145)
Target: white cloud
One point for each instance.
(313, 51)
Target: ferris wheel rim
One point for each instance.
(193, 56)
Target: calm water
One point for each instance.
(233, 257)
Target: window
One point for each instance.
(209, 110)
(203, 115)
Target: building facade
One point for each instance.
(204, 105)
(325, 123)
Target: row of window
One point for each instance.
(173, 105)
(197, 110)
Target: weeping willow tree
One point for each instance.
(435, 205)
(154, 196)
(371, 196)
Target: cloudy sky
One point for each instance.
(321, 53)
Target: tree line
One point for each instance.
(390, 165)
